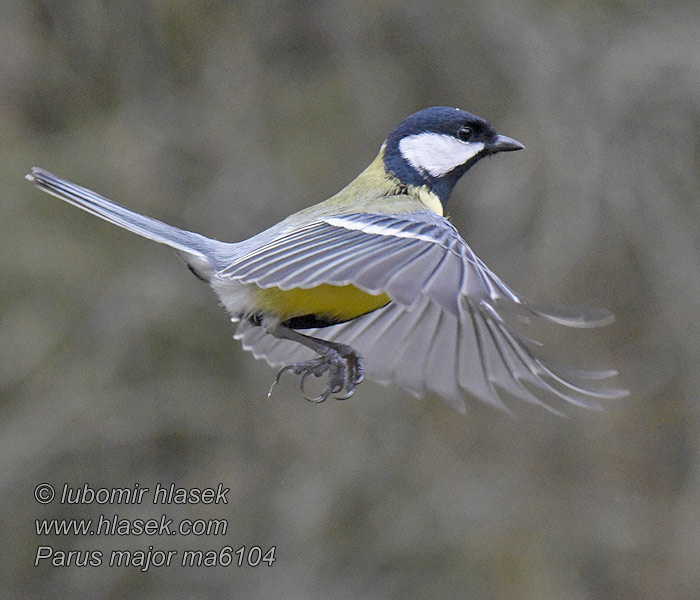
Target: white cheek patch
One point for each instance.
(437, 153)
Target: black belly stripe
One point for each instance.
(309, 322)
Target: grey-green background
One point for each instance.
(117, 366)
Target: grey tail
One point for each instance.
(197, 248)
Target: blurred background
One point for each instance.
(117, 366)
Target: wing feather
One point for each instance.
(380, 271)
(348, 268)
(273, 350)
(477, 357)
(405, 285)
(447, 276)
(445, 331)
(379, 253)
(300, 256)
(441, 365)
(383, 358)
(412, 366)
(303, 237)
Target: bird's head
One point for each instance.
(436, 146)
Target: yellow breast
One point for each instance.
(332, 302)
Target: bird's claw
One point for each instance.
(345, 372)
(355, 370)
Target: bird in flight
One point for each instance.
(375, 282)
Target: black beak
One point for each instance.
(502, 143)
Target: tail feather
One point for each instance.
(195, 246)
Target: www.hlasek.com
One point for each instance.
(115, 525)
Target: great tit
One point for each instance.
(376, 281)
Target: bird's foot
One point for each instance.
(355, 369)
(343, 365)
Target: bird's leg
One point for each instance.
(343, 363)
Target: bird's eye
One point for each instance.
(465, 133)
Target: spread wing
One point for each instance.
(443, 331)
(429, 350)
